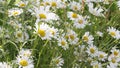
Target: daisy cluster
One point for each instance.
(59, 33)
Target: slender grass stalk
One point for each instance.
(40, 52)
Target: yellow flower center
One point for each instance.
(22, 5)
(19, 34)
(53, 32)
(23, 63)
(63, 43)
(66, 36)
(42, 16)
(74, 15)
(92, 50)
(15, 13)
(57, 61)
(41, 32)
(96, 66)
(72, 37)
(47, 3)
(80, 21)
(113, 60)
(53, 4)
(112, 33)
(116, 53)
(75, 7)
(85, 38)
(41, 4)
(101, 55)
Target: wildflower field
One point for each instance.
(59, 33)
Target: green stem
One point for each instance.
(40, 52)
(13, 44)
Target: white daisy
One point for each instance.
(21, 36)
(17, 26)
(25, 52)
(72, 15)
(21, 3)
(114, 32)
(58, 62)
(99, 33)
(102, 56)
(80, 22)
(55, 3)
(113, 60)
(73, 39)
(97, 11)
(75, 6)
(54, 32)
(92, 50)
(88, 38)
(14, 12)
(63, 43)
(43, 30)
(5, 65)
(115, 52)
(24, 62)
(46, 2)
(96, 64)
(44, 14)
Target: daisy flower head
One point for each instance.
(72, 37)
(14, 12)
(88, 38)
(43, 14)
(58, 62)
(114, 32)
(21, 36)
(72, 15)
(75, 6)
(17, 26)
(35, 2)
(97, 11)
(80, 22)
(54, 32)
(24, 62)
(43, 31)
(25, 52)
(92, 50)
(5, 65)
(96, 64)
(115, 52)
(12, 22)
(99, 33)
(55, 3)
(21, 3)
(79, 53)
(113, 60)
(63, 4)
(46, 2)
(63, 43)
(102, 55)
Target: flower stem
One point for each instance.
(40, 52)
